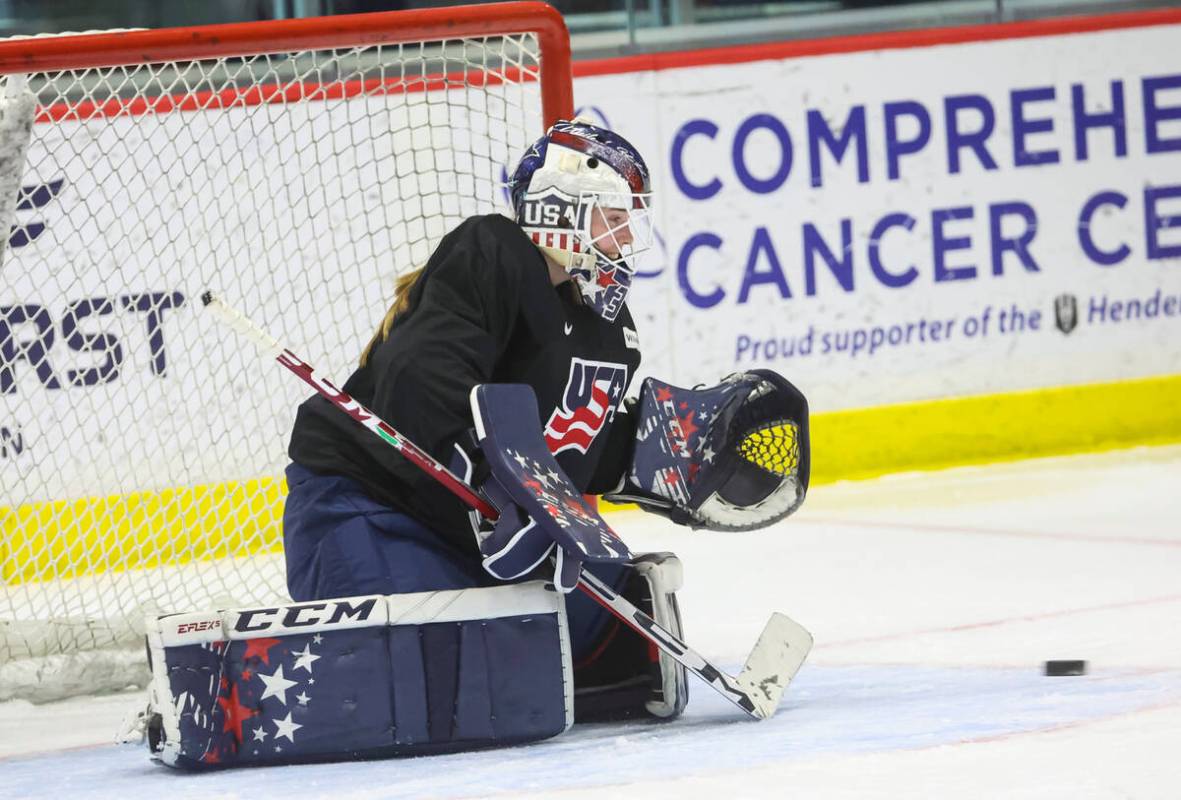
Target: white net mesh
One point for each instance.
(141, 444)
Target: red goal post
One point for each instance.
(298, 166)
(121, 48)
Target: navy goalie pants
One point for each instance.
(339, 542)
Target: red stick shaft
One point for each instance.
(418, 457)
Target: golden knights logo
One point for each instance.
(1065, 312)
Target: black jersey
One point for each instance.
(483, 311)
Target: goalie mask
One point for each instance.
(582, 194)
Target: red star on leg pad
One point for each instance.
(259, 648)
(235, 713)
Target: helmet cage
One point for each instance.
(564, 227)
(566, 177)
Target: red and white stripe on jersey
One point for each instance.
(577, 429)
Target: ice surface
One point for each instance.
(934, 600)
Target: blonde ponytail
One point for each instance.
(402, 288)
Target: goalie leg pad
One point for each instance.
(622, 675)
(360, 677)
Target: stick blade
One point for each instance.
(774, 662)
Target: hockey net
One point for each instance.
(297, 167)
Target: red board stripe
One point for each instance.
(232, 97)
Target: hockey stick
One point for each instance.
(776, 657)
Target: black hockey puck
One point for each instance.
(1066, 668)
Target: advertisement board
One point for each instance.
(918, 223)
(912, 218)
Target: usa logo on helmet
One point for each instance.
(593, 392)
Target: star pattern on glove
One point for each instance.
(566, 508)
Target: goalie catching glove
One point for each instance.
(729, 457)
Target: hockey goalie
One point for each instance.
(420, 626)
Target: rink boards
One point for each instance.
(957, 261)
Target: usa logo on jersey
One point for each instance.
(593, 392)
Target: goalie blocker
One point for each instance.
(394, 675)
